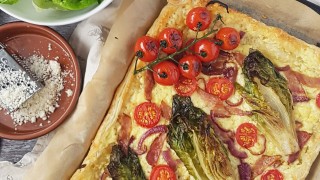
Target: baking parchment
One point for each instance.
(72, 140)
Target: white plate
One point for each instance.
(25, 11)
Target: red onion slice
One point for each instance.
(234, 104)
(155, 149)
(157, 129)
(167, 156)
(244, 170)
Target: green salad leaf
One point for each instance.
(193, 139)
(267, 93)
(124, 166)
(65, 4)
(8, 1)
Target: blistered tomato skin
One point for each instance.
(170, 40)
(147, 48)
(190, 66)
(206, 50)
(198, 19)
(185, 86)
(230, 38)
(166, 73)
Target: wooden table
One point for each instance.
(12, 150)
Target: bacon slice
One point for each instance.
(313, 82)
(166, 111)
(149, 84)
(263, 163)
(303, 138)
(298, 93)
(125, 131)
(219, 109)
(156, 149)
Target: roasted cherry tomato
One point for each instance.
(206, 50)
(273, 174)
(198, 19)
(162, 172)
(185, 86)
(246, 135)
(318, 100)
(220, 86)
(147, 114)
(190, 66)
(170, 40)
(147, 48)
(230, 38)
(166, 73)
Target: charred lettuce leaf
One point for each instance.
(267, 93)
(125, 166)
(192, 138)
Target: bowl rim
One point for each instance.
(78, 82)
(67, 21)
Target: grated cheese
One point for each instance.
(45, 101)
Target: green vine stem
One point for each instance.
(171, 56)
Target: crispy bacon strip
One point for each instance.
(298, 93)
(156, 149)
(125, 131)
(263, 163)
(149, 84)
(166, 111)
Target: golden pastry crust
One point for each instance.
(274, 43)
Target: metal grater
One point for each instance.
(17, 82)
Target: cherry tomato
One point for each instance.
(318, 100)
(147, 48)
(206, 50)
(170, 40)
(273, 174)
(220, 86)
(190, 66)
(246, 135)
(162, 172)
(198, 18)
(166, 73)
(185, 86)
(147, 114)
(191, 48)
(230, 38)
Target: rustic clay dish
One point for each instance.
(26, 39)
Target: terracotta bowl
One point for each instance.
(26, 39)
